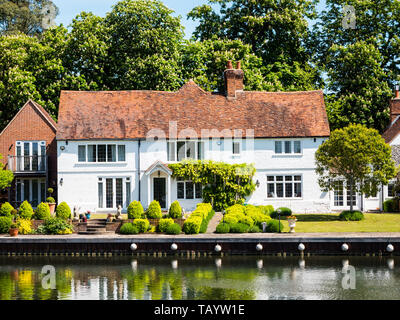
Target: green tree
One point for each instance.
(359, 85)
(30, 17)
(277, 31)
(357, 155)
(143, 51)
(6, 176)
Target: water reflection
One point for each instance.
(238, 278)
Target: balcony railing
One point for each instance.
(27, 164)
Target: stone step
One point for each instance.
(96, 229)
(92, 232)
(96, 225)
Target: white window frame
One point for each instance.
(196, 150)
(283, 143)
(184, 190)
(103, 179)
(97, 151)
(346, 195)
(21, 182)
(236, 155)
(293, 182)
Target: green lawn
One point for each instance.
(308, 223)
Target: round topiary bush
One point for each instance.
(128, 228)
(141, 224)
(135, 210)
(175, 211)
(50, 200)
(5, 224)
(6, 209)
(42, 212)
(285, 212)
(351, 216)
(239, 228)
(230, 219)
(63, 211)
(154, 210)
(247, 220)
(25, 210)
(173, 229)
(164, 224)
(274, 226)
(223, 228)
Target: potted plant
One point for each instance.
(292, 223)
(51, 202)
(88, 214)
(13, 229)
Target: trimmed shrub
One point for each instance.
(223, 228)
(266, 209)
(135, 210)
(57, 226)
(192, 225)
(247, 220)
(5, 224)
(173, 229)
(6, 209)
(239, 228)
(154, 210)
(50, 190)
(236, 209)
(25, 210)
(128, 228)
(285, 212)
(24, 226)
(390, 205)
(175, 210)
(141, 224)
(274, 226)
(42, 212)
(351, 216)
(164, 224)
(254, 229)
(206, 221)
(50, 200)
(230, 219)
(63, 211)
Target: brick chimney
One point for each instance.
(233, 79)
(395, 105)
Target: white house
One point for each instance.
(114, 147)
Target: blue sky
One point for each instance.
(70, 8)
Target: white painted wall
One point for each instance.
(80, 179)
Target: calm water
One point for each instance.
(245, 278)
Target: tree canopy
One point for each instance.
(6, 176)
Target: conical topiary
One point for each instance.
(135, 210)
(63, 211)
(175, 211)
(25, 210)
(42, 212)
(154, 210)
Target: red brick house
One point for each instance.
(29, 149)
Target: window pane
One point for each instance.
(109, 193)
(270, 178)
(111, 153)
(338, 193)
(288, 178)
(271, 190)
(236, 148)
(35, 156)
(26, 190)
(121, 153)
(279, 190)
(200, 148)
(118, 193)
(297, 190)
(278, 146)
(199, 190)
(171, 151)
(351, 197)
(181, 150)
(288, 147)
(297, 147)
(191, 150)
(279, 178)
(42, 191)
(100, 194)
(181, 190)
(92, 153)
(27, 159)
(82, 153)
(288, 190)
(297, 178)
(19, 191)
(390, 190)
(128, 193)
(101, 153)
(35, 193)
(189, 190)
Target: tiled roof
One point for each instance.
(392, 131)
(132, 114)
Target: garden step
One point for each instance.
(92, 232)
(96, 229)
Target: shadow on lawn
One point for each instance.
(317, 217)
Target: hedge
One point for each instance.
(128, 228)
(390, 205)
(285, 212)
(223, 228)
(239, 228)
(274, 226)
(194, 224)
(173, 229)
(351, 216)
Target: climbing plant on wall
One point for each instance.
(224, 184)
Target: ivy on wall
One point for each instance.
(223, 184)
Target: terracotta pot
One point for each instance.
(13, 232)
(52, 207)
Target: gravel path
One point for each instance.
(214, 222)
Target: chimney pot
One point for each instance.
(233, 80)
(397, 96)
(238, 65)
(229, 65)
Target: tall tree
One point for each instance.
(277, 31)
(357, 155)
(30, 17)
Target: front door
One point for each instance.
(159, 191)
